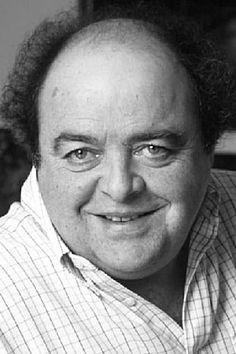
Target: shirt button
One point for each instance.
(130, 302)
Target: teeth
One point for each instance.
(118, 219)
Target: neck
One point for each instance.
(165, 289)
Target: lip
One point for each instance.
(136, 228)
(127, 216)
(125, 220)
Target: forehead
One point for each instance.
(120, 42)
(116, 37)
(127, 81)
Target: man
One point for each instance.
(124, 242)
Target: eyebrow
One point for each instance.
(68, 137)
(175, 138)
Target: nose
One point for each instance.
(119, 182)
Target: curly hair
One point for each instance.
(211, 80)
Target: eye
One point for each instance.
(155, 149)
(80, 154)
(151, 151)
(152, 154)
(83, 158)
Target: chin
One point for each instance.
(131, 271)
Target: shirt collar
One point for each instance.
(32, 202)
(204, 229)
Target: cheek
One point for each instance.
(185, 190)
(184, 186)
(183, 179)
(173, 184)
(64, 190)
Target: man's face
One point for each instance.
(123, 171)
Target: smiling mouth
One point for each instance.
(125, 219)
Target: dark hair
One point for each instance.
(211, 80)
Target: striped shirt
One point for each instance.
(52, 301)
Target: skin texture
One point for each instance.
(118, 136)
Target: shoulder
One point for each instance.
(27, 256)
(21, 238)
(15, 226)
(225, 184)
